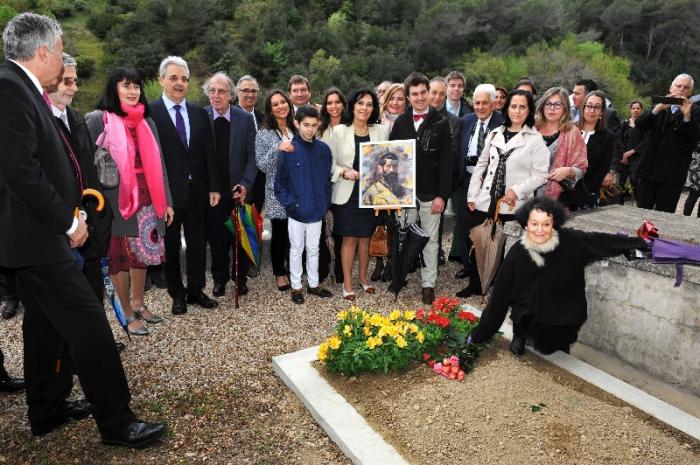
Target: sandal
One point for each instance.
(369, 289)
(348, 295)
(136, 332)
(139, 314)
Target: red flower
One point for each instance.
(426, 356)
(431, 363)
(469, 316)
(442, 321)
(445, 304)
(420, 314)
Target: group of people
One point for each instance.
(174, 167)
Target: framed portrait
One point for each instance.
(388, 174)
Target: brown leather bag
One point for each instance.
(379, 242)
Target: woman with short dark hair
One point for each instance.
(274, 135)
(542, 279)
(141, 203)
(511, 166)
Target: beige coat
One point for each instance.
(343, 148)
(526, 168)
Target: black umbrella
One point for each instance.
(409, 243)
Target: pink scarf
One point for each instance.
(571, 151)
(121, 146)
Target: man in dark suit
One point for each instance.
(187, 143)
(475, 128)
(583, 87)
(234, 136)
(456, 102)
(65, 327)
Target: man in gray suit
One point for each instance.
(234, 136)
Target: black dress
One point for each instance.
(349, 219)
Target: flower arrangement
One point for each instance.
(376, 343)
(372, 342)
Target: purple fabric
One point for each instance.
(180, 125)
(674, 252)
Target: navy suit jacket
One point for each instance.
(197, 160)
(469, 121)
(38, 187)
(241, 148)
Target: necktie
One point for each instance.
(481, 139)
(419, 117)
(64, 118)
(66, 144)
(180, 125)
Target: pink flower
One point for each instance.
(454, 360)
(426, 357)
(437, 368)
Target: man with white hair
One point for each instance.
(475, 129)
(234, 136)
(187, 143)
(672, 133)
(65, 327)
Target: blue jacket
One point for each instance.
(303, 180)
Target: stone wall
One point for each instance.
(634, 312)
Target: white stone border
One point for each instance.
(364, 446)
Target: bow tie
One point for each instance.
(419, 117)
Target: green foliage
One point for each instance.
(86, 65)
(153, 90)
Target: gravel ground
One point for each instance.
(489, 418)
(208, 374)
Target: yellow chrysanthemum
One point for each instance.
(395, 315)
(401, 342)
(334, 342)
(376, 320)
(342, 315)
(392, 331)
(347, 330)
(420, 337)
(323, 352)
(409, 315)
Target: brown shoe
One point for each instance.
(428, 295)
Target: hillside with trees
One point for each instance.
(631, 47)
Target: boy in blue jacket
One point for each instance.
(303, 187)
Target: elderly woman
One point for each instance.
(353, 223)
(141, 202)
(542, 279)
(512, 165)
(600, 143)
(393, 105)
(276, 134)
(567, 149)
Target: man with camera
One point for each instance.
(673, 130)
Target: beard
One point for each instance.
(392, 182)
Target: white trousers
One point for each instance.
(299, 235)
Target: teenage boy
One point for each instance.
(303, 187)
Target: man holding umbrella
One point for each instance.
(431, 130)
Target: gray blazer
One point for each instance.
(121, 226)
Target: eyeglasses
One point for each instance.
(218, 91)
(592, 107)
(553, 105)
(248, 91)
(70, 82)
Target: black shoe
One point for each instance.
(219, 289)
(378, 270)
(202, 300)
(318, 291)
(242, 289)
(454, 258)
(297, 296)
(10, 309)
(120, 346)
(441, 258)
(517, 345)
(253, 272)
(137, 434)
(8, 384)
(70, 410)
(467, 292)
(179, 306)
(463, 273)
(428, 295)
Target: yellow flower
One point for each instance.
(323, 351)
(371, 342)
(392, 331)
(395, 315)
(347, 330)
(401, 342)
(342, 315)
(334, 342)
(420, 337)
(408, 315)
(367, 330)
(376, 319)
(378, 340)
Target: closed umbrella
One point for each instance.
(409, 244)
(488, 241)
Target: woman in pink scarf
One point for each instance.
(141, 202)
(568, 159)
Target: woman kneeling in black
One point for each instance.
(542, 279)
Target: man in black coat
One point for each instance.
(65, 327)
(475, 128)
(456, 103)
(234, 135)
(247, 91)
(187, 143)
(672, 133)
(432, 134)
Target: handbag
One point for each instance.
(107, 170)
(148, 247)
(379, 242)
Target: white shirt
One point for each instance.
(37, 84)
(255, 120)
(453, 109)
(474, 139)
(416, 124)
(169, 105)
(62, 115)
